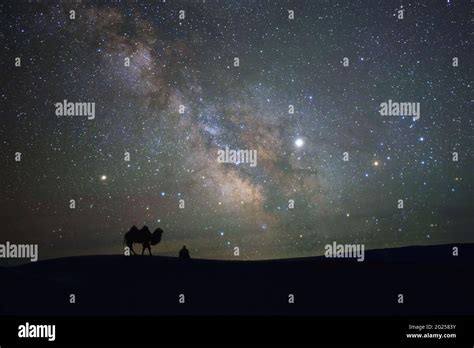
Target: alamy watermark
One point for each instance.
(237, 156)
(28, 330)
(336, 250)
(66, 108)
(19, 251)
(393, 108)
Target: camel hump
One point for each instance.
(133, 229)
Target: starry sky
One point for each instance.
(173, 156)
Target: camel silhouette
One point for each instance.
(143, 236)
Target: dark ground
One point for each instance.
(432, 280)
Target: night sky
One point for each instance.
(173, 156)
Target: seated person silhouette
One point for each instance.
(184, 253)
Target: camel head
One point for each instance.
(156, 236)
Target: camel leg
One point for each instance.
(149, 249)
(130, 246)
(143, 249)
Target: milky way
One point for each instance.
(330, 166)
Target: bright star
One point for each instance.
(103, 177)
(299, 142)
